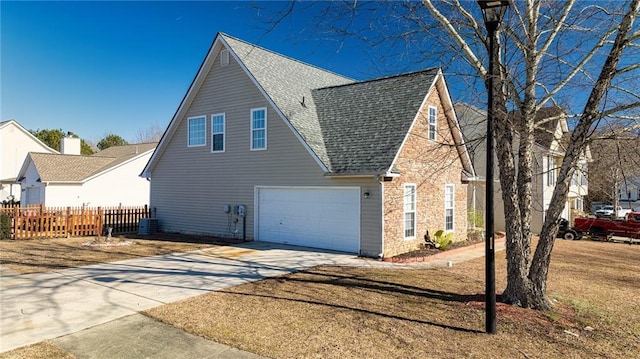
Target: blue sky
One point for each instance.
(97, 68)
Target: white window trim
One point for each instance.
(435, 123)
(414, 211)
(189, 130)
(453, 207)
(252, 128)
(551, 174)
(224, 132)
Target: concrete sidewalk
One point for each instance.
(78, 304)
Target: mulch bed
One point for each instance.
(427, 251)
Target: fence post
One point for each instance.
(100, 221)
(69, 222)
(16, 212)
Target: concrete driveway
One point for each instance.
(36, 307)
(91, 311)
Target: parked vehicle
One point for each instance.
(608, 211)
(628, 227)
(565, 231)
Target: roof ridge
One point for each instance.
(286, 56)
(383, 78)
(69, 155)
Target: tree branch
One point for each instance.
(466, 50)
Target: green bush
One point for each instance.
(5, 226)
(443, 240)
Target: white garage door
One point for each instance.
(327, 217)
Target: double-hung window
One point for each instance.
(432, 123)
(551, 171)
(259, 129)
(196, 135)
(448, 207)
(409, 211)
(217, 132)
(579, 204)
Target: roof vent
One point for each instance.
(224, 57)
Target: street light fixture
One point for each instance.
(492, 12)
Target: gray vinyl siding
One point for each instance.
(191, 185)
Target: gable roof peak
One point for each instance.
(226, 37)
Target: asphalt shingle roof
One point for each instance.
(473, 124)
(289, 82)
(67, 168)
(76, 168)
(545, 132)
(352, 127)
(365, 123)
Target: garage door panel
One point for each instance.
(315, 217)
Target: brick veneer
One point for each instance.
(429, 165)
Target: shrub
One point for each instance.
(5, 226)
(442, 240)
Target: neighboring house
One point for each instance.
(630, 193)
(551, 137)
(316, 159)
(107, 178)
(15, 143)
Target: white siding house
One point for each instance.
(550, 137)
(15, 143)
(107, 178)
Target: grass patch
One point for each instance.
(42, 350)
(41, 255)
(334, 312)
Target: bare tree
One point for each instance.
(580, 56)
(616, 164)
(152, 133)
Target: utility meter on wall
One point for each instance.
(242, 210)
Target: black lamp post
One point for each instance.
(492, 12)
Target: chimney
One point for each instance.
(70, 145)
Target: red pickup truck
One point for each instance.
(628, 227)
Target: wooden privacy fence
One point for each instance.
(50, 222)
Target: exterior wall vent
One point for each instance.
(224, 57)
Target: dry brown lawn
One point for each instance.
(42, 350)
(41, 255)
(335, 312)
(330, 312)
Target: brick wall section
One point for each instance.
(429, 165)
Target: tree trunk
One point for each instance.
(518, 284)
(540, 265)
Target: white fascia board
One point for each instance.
(450, 113)
(29, 134)
(205, 66)
(438, 82)
(117, 166)
(275, 107)
(25, 166)
(406, 135)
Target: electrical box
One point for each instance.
(227, 208)
(242, 210)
